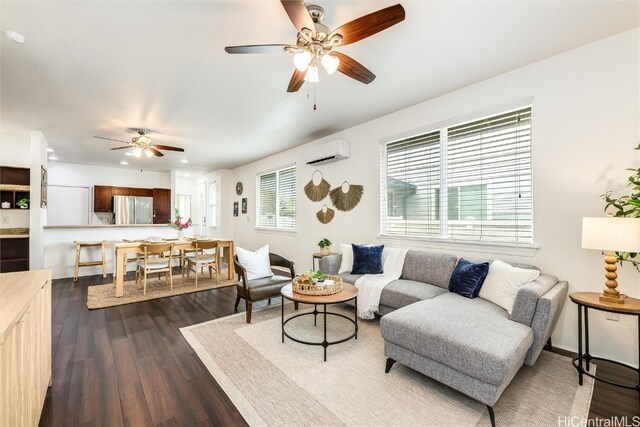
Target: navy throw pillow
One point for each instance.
(467, 278)
(367, 259)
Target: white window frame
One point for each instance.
(212, 205)
(442, 242)
(277, 227)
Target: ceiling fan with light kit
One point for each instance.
(141, 146)
(315, 42)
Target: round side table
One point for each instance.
(585, 301)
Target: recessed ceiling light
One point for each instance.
(184, 161)
(14, 37)
(53, 158)
(50, 150)
(123, 163)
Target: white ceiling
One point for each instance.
(99, 67)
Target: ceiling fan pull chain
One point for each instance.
(314, 97)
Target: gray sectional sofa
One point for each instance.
(471, 345)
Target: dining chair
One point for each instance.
(156, 258)
(201, 259)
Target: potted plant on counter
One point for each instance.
(325, 246)
(178, 224)
(23, 203)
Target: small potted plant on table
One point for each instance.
(325, 246)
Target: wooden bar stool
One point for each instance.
(103, 262)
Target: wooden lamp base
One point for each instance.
(611, 294)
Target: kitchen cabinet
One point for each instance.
(121, 191)
(102, 199)
(14, 254)
(142, 192)
(161, 205)
(25, 346)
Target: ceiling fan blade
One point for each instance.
(370, 24)
(156, 152)
(297, 79)
(352, 68)
(256, 48)
(299, 15)
(120, 148)
(111, 139)
(167, 147)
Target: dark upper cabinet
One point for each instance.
(102, 199)
(142, 192)
(121, 191)
(161, 205)
(15, 176)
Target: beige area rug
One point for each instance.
(101, 296)
(275, 384)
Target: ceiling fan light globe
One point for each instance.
(312, 75)
(330, 63)
(148, 153)
(144, 139)
(137, 152)
(301, 60)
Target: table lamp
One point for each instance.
(611, 234)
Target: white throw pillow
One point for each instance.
(502, 283)
(256, 263)
(346, 265)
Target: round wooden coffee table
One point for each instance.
(348, 293)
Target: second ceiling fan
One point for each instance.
(315, 42)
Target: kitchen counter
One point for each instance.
(59, 249)
(105, 225)
(14, 236)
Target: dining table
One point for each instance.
(122, 249)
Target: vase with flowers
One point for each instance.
(178, 224)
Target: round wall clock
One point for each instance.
(239, 188)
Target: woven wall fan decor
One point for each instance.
(314, 192)
(325, 215)
(346, 200)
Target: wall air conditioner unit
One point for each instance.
(329, 152)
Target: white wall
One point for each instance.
(37, 214)
(585, 125)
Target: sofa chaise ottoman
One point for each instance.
(471, 345)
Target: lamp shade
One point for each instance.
(611, 234)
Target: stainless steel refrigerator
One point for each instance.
(133, 210)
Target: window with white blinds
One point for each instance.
(276, 202)
(470, 181)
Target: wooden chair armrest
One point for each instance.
(279, 261)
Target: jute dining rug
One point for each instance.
(275, 384)
(101, 296)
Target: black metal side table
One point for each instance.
(348, 293)
(585, 301)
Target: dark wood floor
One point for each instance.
(130, 365)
